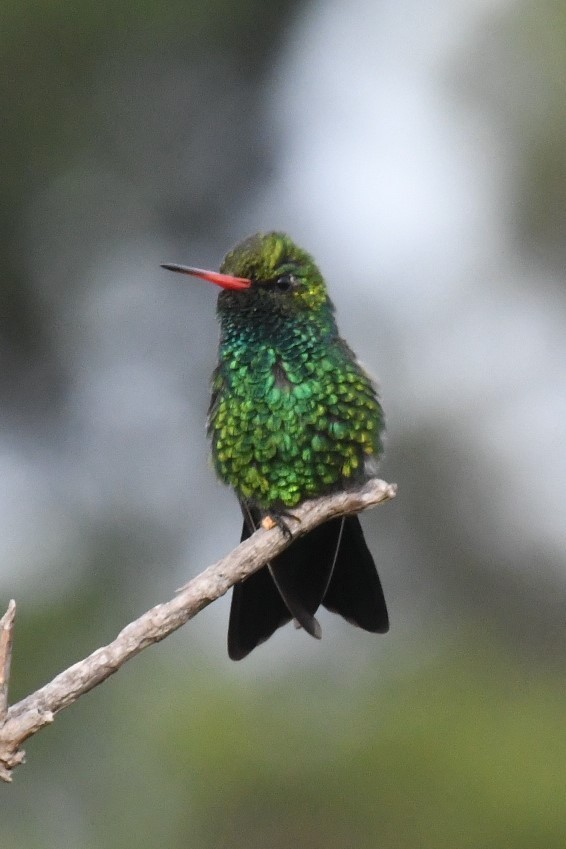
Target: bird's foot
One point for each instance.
(276, 519)
(268, 523)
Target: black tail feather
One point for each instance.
(331, 565)
(355, 591)
(257, 611)
(302, 572)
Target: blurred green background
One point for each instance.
(418, 149)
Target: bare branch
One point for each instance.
(28, 716)
(6, 638)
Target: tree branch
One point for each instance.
(28, 716)
(6, 638)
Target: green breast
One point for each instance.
(291, 424)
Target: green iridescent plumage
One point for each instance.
(293, 415)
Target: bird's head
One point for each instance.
(269, 274)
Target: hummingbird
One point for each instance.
(293, 415)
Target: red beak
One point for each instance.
(224, 280)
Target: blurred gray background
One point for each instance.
(418, 150)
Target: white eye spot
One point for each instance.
(285, 283)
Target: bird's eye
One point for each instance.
(285, 283)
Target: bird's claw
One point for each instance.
(268, 523)
(277, 520)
